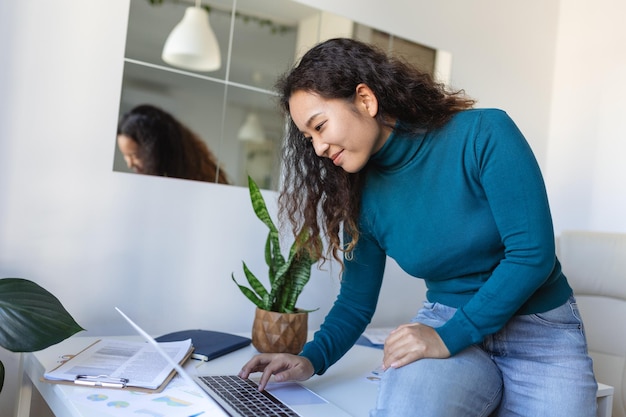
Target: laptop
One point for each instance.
(237, 397)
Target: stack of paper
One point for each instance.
(120, 364)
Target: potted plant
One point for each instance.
(279, 326)
(31, 318)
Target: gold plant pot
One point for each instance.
(274, 332)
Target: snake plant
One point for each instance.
(287, 277)
(31, 318)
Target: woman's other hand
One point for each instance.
(284, 367)
(411, 342)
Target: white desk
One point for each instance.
(344, 384)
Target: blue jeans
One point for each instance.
(536, 366)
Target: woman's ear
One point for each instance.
(366, 100)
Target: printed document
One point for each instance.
(120, 364)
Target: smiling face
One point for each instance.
(346, 132)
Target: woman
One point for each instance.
(153, 142)
(409, 170)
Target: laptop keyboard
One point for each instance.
(244, 396)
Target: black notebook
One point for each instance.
(208, 344)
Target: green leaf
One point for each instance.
(31, 318)
(273, 262)
(255, 284)
(300, 273)
(258, 204)
(273, 257)
(287, 278)
(292, 277)
(281, 286)
(249, 293)
(299, 279)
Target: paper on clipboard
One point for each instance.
(111, 363)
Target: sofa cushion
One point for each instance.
(595, 265)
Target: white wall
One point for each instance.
(587, 148)
(163, 250)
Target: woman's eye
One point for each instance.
(319, 127)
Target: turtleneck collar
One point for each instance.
(399, 149)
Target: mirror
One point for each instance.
(233, 109)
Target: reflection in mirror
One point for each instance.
(254, 146)
(181, 96)
(153, 142)
(233, 109)
(217, 104)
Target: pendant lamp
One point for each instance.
(251, 130)
(192, 44)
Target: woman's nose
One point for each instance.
(320, 147)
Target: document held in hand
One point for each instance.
(112, 363)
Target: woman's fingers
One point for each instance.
(256, 364)
(411, 342)
(283, 366)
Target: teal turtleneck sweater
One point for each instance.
(463, 207)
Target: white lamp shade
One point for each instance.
(251, 130)
(192, 44)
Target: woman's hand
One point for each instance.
(284, 367)
(410, 342)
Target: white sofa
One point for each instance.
(595, 265)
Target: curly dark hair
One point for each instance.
(317, 195)
(169, 148)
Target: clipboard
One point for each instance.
(105, 381)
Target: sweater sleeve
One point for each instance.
(353, 308)
(512, 182)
